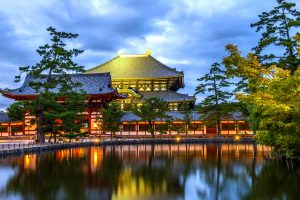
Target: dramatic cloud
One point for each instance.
(186, 34)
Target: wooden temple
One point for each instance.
(129, 79)
(141, 76)
(97, 86)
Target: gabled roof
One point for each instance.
(168, 96)
(92, 84)
(135, 67)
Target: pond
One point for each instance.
(131, 172)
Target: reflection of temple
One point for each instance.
(141, 77)
(141, 154)
(129, 171)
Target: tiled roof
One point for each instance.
(177, 115)
(136, 67)
(4, 117)
(91, 83)
(168, 96)
(129, 117)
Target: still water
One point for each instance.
(131, 172)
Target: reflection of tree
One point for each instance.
(109, 171)
(224, 180)
(49, 179)
(159, 177)
(65, 177)
(275, 181)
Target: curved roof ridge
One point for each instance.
(166, 66)
(114, 58)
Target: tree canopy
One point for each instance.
(277, 27)
(111, 118)
(216, 88)
(152, 109)
(53, 72)
(274, 94)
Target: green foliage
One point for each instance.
(3, 128)
(16, 129)
(273, 101)
(216, 87)
(51, 74)
(151, 110)
(56, 60)
(111, 118)
(16, 111)
(186, 111)
(163, 128)
(277, 26)
(178, 128)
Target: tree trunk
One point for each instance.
(49, 140)
(151, 129)
(40, 131)
(186, 129)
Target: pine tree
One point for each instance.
(277, 27)
(151, 110)
(215, 86)
(52, 73)
(111, 118)
(186, 111)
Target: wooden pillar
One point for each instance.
(152, 86)
(121, 131)
(137, 85)
(194, 127)
(90, 121)
(204, 130)
(167, 85)
(23, 128)
(9, 129)
(137, 128)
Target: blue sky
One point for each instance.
(187, 34)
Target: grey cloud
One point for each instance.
(108, 32)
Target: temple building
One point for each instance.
(129, 79)
(97, 86)
(141, 76)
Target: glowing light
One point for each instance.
(237, 138)
(95, 158)
(96, 140)
(27, 162)
(178, 139)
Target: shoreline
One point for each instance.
(24, 149)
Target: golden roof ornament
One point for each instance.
(148, 52)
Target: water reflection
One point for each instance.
(181, 171)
